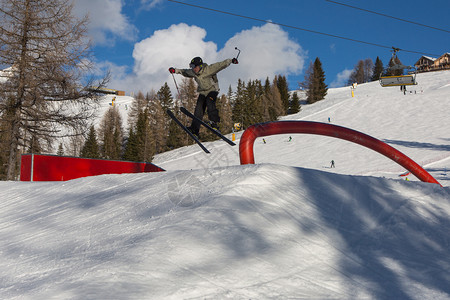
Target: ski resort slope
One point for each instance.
(288, 227)
(417, 124)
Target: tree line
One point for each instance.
(150, 130)
(366, 70)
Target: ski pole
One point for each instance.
(176, 85)
(238, 52)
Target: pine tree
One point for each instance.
(295, 104)
(111, 134)
(252, 103)
(314, 83)
(131, 147)
(138, 104)
(188, 95)
(225, 113)
(165, 99)
(144, 138)
(276, 103)
(267, 102)
(90, 148)
(177, 136)
(283, 88)
(238, 104)
(272, 103)
(157, 120)
(230, 95)
(377, 70)
(164, 96)
(140, 142)
(259, 94)
(255, 103)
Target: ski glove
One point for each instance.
(234, 61)
(172, 70)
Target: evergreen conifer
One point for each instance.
(90, 148)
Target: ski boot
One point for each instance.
(214, 125)
(195, 133)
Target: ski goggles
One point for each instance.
(192, 66)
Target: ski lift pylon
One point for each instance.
(398, 80)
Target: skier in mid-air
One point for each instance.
(208, 88)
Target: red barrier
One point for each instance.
(287, 127)
(37, 167)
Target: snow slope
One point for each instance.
(416, 124)
(288, 227)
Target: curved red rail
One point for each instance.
(286, 127)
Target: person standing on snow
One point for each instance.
(208, 88)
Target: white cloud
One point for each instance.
(266, 52)
(333, 48)
(175, 46)
(106, 20)
(117, 72)
(149, 4)
(341, 79)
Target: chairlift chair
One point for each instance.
(399, 80)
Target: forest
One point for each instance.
(150, 131)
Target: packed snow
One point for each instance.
(288, 227)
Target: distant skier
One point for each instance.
(290, 138)
(264, 141)
(208, 88)
(332, 164)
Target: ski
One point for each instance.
(189, 114)
(170, 113)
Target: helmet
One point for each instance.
(196, 61)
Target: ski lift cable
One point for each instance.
(388, 16)
(298, 28)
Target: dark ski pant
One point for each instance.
(205, 102)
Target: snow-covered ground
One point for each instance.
(287, 227)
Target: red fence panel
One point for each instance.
(38, 167)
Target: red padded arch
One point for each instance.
(288, 127)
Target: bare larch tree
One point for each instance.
(42, 97)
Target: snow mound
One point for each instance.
(243, 232)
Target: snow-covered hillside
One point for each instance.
(417, 124)
(287, 227)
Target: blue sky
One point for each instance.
(139, 40)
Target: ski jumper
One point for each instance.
(208, 89)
